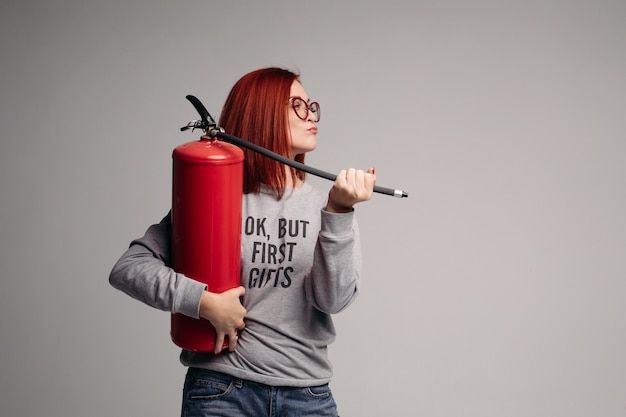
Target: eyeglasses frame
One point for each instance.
(308, 106)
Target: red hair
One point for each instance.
(256, 111)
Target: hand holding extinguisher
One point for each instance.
(226, 314)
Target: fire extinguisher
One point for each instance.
(207, 187)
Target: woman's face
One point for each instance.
(302, 132)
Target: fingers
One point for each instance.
(233, 337)
(342, 179)
(359, 180)
(370, 181)
(232, 341)
(351, 186)
(239, 291)
(219, 343)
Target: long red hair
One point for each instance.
(256, 111)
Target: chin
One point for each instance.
(305, 149)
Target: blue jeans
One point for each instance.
(207, 393)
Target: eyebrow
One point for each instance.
(308, 100)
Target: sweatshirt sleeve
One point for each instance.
(335, 277)
(144, 272)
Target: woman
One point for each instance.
(282, 311)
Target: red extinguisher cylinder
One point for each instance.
(206, 227)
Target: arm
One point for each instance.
(335, 277)
(144, 272)
(334, 280)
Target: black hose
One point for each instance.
(210, 127)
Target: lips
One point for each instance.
(313, 130)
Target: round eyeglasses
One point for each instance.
(301, 108)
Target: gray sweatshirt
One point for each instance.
(299, 265)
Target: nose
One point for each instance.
(311, 116)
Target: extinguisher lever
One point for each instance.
(206, 123)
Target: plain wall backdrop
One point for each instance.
(497, 288)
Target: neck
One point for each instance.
(289, 181)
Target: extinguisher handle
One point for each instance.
(207, 121)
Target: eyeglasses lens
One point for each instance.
(315, 109)
(302, 109)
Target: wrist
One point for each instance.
(334, 208)
(207, 301)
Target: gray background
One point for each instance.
(496, 289)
